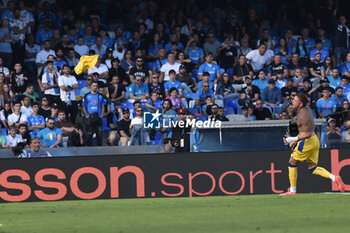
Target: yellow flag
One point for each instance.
(86, 62)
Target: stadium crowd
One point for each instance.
(223, 60)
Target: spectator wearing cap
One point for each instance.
(333, 132)
(277, 67)
(101, 69)
(172, 83)
(261, 80)
(210, 67)
(51, 136)
(139, 70)
(271, 95)
(181, 135)
(258, 58)
(123, 129)
(334, 79)
(50, 82)
(324, 106)
(241, 70)
(252, 91)
(189, 86)
(280, 80)
(116, 89)
(36, 122)
(119, 49)
(338, 98)
(138, 90)
(319, 49)
(245, 114)
(117, 70)
(324, 85)
(68, 83)
(93, 108)
(107, 58)
(99, 47)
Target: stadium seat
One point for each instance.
(232, 103)
(230, 71)
(149, 65)
(201, 118)
(158, 135)
(195, 74)
(105, 127)
(229, 110)
(127, 105)
(192, 110)
(82, 83)
(3, 132)
(155, 142)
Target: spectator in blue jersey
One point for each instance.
(35, 121)
(8, 13)
(159, 61)
(206, 78)
(300, 49)
(344, 83)
(324, 106)
(153, 103)
(172, 83)
(89, 39)
(308, 41)
(210, 67)
(280, 80)
(327, 43)
(50, 136)
(202, 93)
(154, 47)
(173, 38)
(284, 50)
(138, 90)
(195, 53)
(319, 49)
(261, 80)
(59, 59)
(346, 66)
(45, 32)
(169, 116)
(334, 79)
(338, 97)
(93, 108)
(271, 95)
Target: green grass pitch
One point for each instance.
(256, 213)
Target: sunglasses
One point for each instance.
(205, 86)
(139, 61)
(139, 110)
(214, 108)
(126, 112)
(89, 79)
(138, 80)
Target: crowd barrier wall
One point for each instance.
(162, 175)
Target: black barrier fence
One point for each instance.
(162, 175)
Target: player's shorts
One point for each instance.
(307, 149)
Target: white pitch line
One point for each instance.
(347, 193)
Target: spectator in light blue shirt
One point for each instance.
(345, 85)
(138, 90)
(45, 32)
(172, 83)
(334, 79)
(262, 80)
(51, 136)
(338, 97)
(319, 49)
(195, 53)
(271, 95)
(308, 41)
(35, 121)
(327, 43)
(8, 13)
(173, 39)
(324, 105)
(202, 93)
(210, 67)
(346, 66)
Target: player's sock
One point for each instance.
(322, 172)
(293, 175)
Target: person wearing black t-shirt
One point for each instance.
(123, 127)
(139, 70)
(117, 70)
(276, 67)
(116, 89)
(315, 68)
(19, 80)
(252, 91)
(227, 54)
(324, 85)
(241, 70)
(156, 86)
(262, 113)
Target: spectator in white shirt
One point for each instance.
(258, 58)
(170, 65)
(26, 109)
(13, 138)
(81, 48)
(101, 69)
(41, 57)
(17, 118)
